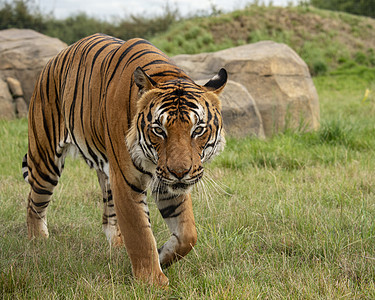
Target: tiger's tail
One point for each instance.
(25, 170)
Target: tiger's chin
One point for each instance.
(180, 188)
(175, 189)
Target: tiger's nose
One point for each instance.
(180, 173)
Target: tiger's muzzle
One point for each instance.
(180, 181)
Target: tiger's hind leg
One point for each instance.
(42, 171)
(110, 225)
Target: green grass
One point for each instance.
(296, 221)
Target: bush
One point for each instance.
(360, 58)
(24, 14)
(318, 67)
(21, 14)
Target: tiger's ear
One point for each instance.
(217, 83)
(142, 80)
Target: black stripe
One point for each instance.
(129, 103)
(167, 73)
(41, 204)
(175, 215)
(142, 202)
(46, 178)
(35, 180)
(37, 215)
(157, 62)
(109, 198)
(41, 191)
(110, 216)
(42, 152)
(123, 54)
(168, 212)
(170, 197)
(177, 238)
(132, 186)
(92, 154)
(140, 133)
(24, 159)
(140, 169)
(139, 54)
(42, 175)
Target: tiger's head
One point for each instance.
(178, 127)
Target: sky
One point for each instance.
(107, 9)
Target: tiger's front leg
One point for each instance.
(177, 212)
(133, 219)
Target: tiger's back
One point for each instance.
(106, 97)
(77, 86)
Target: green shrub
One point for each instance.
(24, 14)
(21, 14)
(318, 67)
(360, 58)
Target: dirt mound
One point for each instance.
(305, 24)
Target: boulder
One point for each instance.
(7, 109)
(19, 102)
(240, 113)
(23, 54)
(275, 76)
(14, 87)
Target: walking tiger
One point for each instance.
(142, 124)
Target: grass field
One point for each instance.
(290, 217)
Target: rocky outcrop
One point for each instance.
(23, 54)
(273, 74)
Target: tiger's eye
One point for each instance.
(158, 130)
(198, 131)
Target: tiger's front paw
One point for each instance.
(113, 235)
(151, 277)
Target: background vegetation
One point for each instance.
(326, 40)
(288, 217)
(26, 14)
(357, 7)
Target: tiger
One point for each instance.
(143, 124)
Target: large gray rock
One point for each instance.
(23, 54)
(275, 76)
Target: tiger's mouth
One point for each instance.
(180, 186)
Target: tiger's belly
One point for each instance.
(95, 158)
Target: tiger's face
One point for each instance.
(178, 127)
